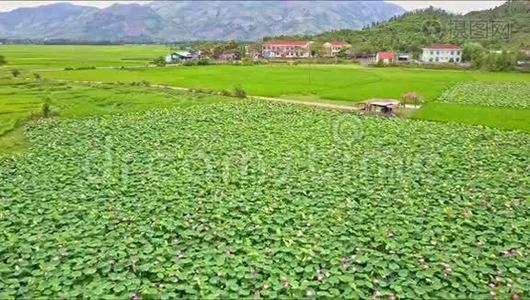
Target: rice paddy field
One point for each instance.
(31, 57)
(130, 190)
(353, 83)
(505, 107)
(482, 98)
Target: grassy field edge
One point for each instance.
(496, 117)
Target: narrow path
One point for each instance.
(350, 108)
(56, 69)
(323, 104)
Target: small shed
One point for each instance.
(404, 57)
(384, 107)
(385, 57)
(179, 56)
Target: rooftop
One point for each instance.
(339, 43)
(386, 55)
(382, 102)
(286, 43)
(443, 46)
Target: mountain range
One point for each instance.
(190, 20)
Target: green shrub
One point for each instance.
(277, 61)
(68, 69)
(160, 61)
(203, 91)
(140, 83)
(86, 68)
(381, 64)
(45, 109)
(239, 92)
(249, 62)
(258, 62)
(226, 93)
(36, 76)
(203, 62)
(439, 66)
(15, 73)
(442, 66)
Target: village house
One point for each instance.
(385, 57)
(442, 53)
(230, 54)
(334, 48)
(253, 51)
(404, 57)
(286, 49)
(181, 56)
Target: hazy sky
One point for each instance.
(456, 6)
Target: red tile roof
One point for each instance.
(443, 46)
(386, 55)
(286, 43)
(339, 44)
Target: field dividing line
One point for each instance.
(348, 108)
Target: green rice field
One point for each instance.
(30, 57)
(342, 83)
(322, 82)
(467, 97)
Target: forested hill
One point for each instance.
(517, 13)
(412, 30)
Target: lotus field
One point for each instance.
(251, 199)
(511, 95)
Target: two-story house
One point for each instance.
(442, 53)
(286, 49)
(334, 48)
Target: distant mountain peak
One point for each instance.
(191, 20)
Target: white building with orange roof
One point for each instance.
(442, 53)
(334, 48)
(286, 49)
